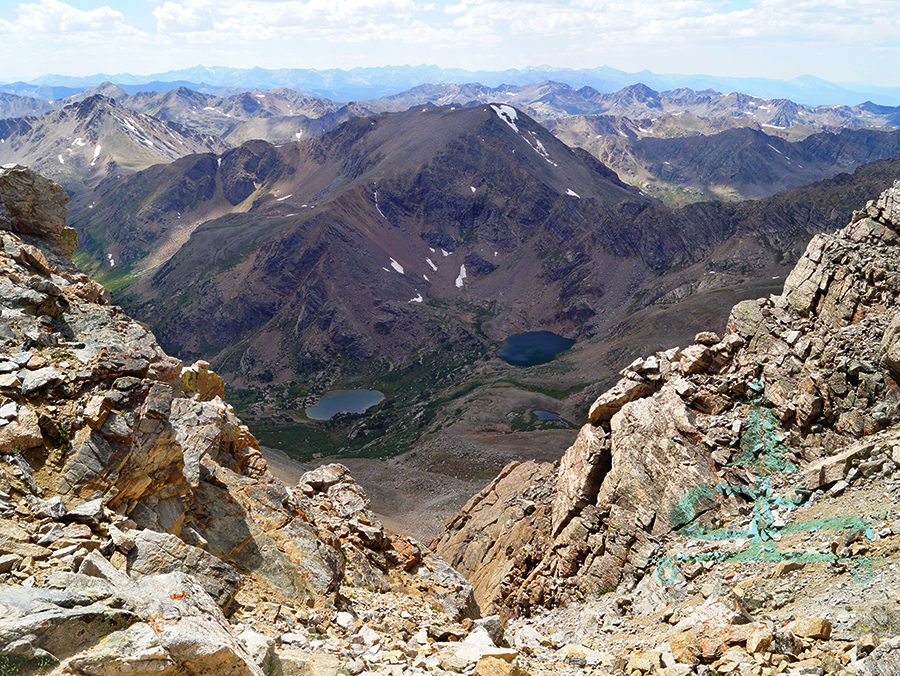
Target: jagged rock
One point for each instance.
(377, 556)
(32, 205)
(169, 625)
(154, 553)
(828, 470)
(202, 383)
(23, 432)
(260, 647)
(494, 522)
(581, 471)
(884, 660)
(890, 344)
(493, 626)
(610, 402)
(759, 641)
(805, 363)
(686, 647)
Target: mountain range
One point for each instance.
(545, 101)
(651, 140)
(375, 82)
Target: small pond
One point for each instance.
(533, 348)
(344, 401)
(546, 415)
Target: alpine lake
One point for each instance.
(533, 348)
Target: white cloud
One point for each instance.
(52, 16)
(774, 38)
(175, 17)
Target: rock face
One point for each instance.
(684, 434)
(136, 511)
(32, 205)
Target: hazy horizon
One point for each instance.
(772, 39)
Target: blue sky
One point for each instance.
(837, 40)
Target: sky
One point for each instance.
(837, 40)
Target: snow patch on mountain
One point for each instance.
(461, 277)
(507, 114)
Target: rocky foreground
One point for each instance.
(730, 507)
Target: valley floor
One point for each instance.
(416, 492)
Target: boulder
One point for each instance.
(812, 627)
(155, 553)
(32, 205)
(610, 402)
(22, 433)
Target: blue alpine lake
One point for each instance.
(533, 348)
(344, 401)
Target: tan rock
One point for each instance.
(784, 567)
(759, 642)
(686, 647)
(201, 383)
(494, 666)
(96, 411)
(610, 402)
(828, 470)
(695, 359)
(736, 654)
(22, 433)
(10, 381)
(812, 627)
(867, 643)
(646, 663)
(708, 338)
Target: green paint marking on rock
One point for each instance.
(762, 448)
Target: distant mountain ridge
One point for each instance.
(79, 145)
(376, 82)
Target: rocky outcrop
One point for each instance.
(32, 205)
(138, 519)
(501, 530)
(376, 557)
(681, 439)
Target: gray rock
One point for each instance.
(39, 379)
(155, 553)
(885, 659)
(90, 512)
(8, 562)
(493, 626)
(54, 508)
